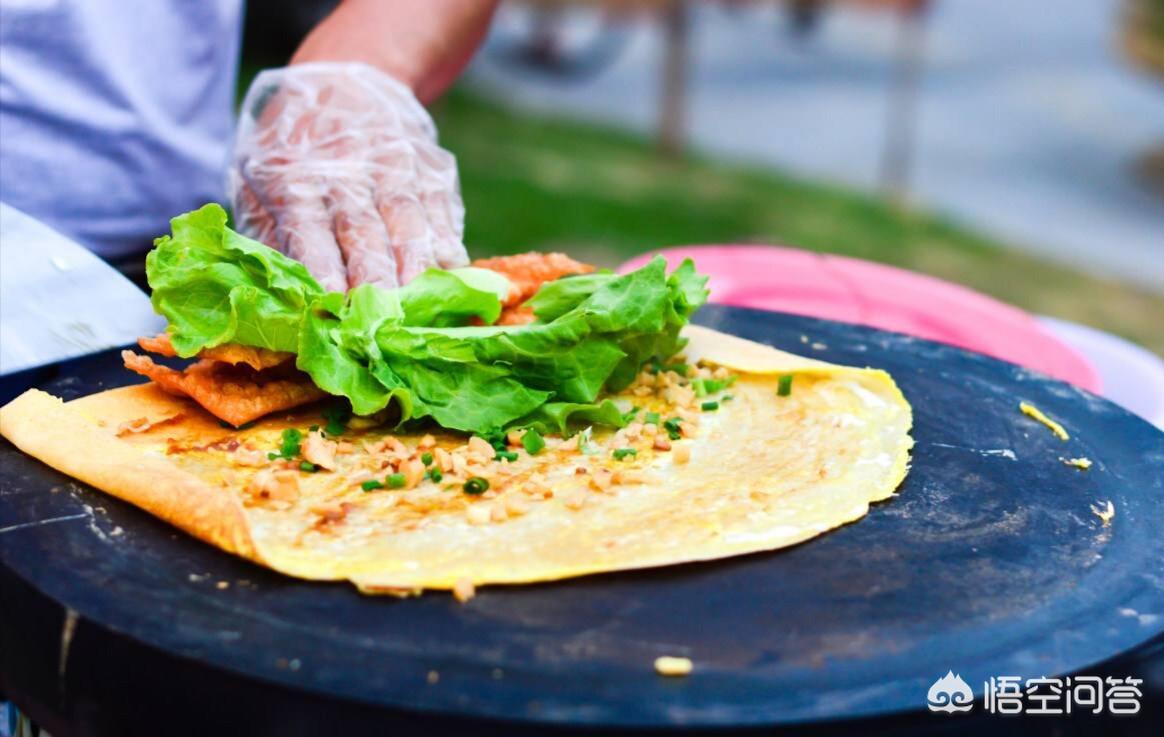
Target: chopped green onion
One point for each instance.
(623, 453)
(371, 484)
(532, 441)
(784, 387)
(476, 485)
(672, 428)
(273, 455)
(506, 455)
(709, 406)
(497, 439)
(308, 466)
(395, 481)
(679, 368)
(651, 418)
(726, 398)
(435, 474)
(426, 458)
(290, 445)
(630, 414)
(703, 387)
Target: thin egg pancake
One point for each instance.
(762, 464)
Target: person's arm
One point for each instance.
(423, 43)
(336, 162)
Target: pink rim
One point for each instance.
(856, 291)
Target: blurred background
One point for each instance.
(1015, 148)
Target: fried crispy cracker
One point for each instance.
(236, 394)
(256, 358)
(528, 271)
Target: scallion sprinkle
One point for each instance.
(476, 485)
(426, 458)
(651, 418)
(623, 453)
(395, 481)
(371, 484)
(308, 466)
(497, 439)
(784, 385)
(507, 455)
(435, 474)
(709, 406)
(289, 448)
(532, 441)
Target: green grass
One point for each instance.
(603, 195)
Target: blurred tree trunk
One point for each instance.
(900, 134)
(676, 32)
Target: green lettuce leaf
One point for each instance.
(216, 286)
(411, 347)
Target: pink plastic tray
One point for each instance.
(862, 292)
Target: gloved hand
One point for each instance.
(337, 166)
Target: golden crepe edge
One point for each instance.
(71, 441)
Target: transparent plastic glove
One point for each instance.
(337, 165)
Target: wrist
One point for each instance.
(423, 44)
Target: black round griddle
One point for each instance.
(989, 562)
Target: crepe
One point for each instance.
(791, 448)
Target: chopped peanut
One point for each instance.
(478, 514)
(681, 453)
(463, 590)
(516, 504)
(332, 512)
(249, 457)
(601, 479)
(443, 459)
(426, 442)
(681, 396)
(393, 444)
(537, 490)
(672, 666)
(497, 513)
(480, 447)
(571, 444)
(413, 471)
(319, 450)
(278, 485)
(622, 476)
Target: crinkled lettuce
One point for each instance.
(412, 347)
